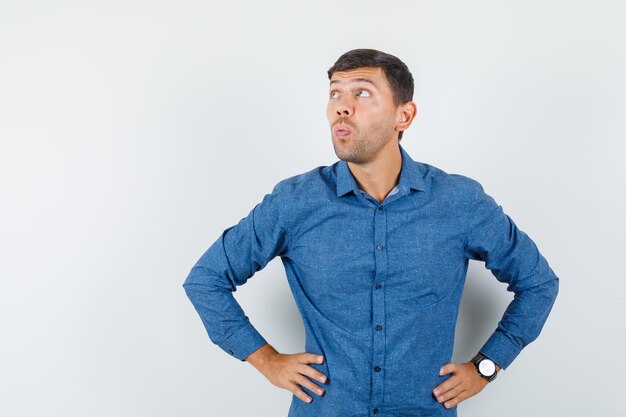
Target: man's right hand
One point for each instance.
(289, 371)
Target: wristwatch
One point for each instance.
(485, 367)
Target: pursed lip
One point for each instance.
(342, 129)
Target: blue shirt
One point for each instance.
(378, 285)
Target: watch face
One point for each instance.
(487, 367)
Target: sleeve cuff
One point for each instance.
(500, 350)
(243, 342)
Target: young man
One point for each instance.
(376, 249)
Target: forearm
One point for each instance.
(222, 316)
(521, 323)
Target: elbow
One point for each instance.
(550, 290)
(552, 287)
(190, 282)
(202, 280)
(191, 289)
(548, 293)
(555, 286)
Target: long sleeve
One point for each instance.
(512, 257)
(239, 252)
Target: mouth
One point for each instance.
(342, 131)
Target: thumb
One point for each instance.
(447, 368)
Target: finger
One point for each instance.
(295, 389)
(448, 368)
(308, 384)
(456, 400)
(447, 385)
(310, 358)
(450, 394)
(312, 373)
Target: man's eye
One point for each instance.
(332, 93)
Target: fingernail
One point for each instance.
(323, 379)
(441, 371)
(320, 359)
(320, 391)
(308, 399)
(437, 392)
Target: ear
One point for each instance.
(406, 114)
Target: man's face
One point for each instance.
(365, 108)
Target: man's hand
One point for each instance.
(289, 371)
(464, 383)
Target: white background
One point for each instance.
(134, 132)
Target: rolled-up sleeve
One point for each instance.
(513, 258)
(239, 252)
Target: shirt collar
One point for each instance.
(410, 175)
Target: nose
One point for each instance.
(343, 108)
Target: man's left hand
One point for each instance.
(464, 383)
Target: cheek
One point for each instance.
(329, 114)
(330, 108)
(378, 119)
(377, 114)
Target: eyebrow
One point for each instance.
(355, 80)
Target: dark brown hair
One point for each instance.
(398, 75)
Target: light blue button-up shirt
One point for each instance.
(378, 285)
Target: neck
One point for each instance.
(380, 175)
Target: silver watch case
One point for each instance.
(485, 367)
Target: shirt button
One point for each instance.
(379, 327)
(378, 286)
(377, 369)
(379, 247)
(375, 411)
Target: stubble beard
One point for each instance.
(360, 149)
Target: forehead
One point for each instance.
(376, 75)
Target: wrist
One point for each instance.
(485, 367)
(262, 356)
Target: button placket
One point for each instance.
(378, 306)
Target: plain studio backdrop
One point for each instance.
(134, 132)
